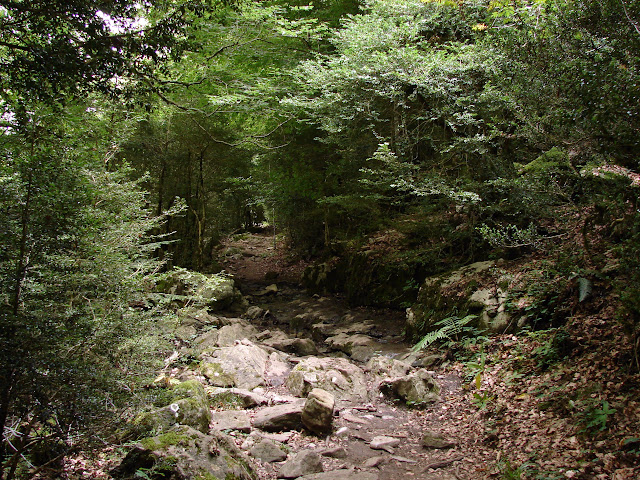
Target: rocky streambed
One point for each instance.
(296, 386)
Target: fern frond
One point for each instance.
(450, 326)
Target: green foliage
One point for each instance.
(451, 328)
(509, 236)
(75, 255)
(56, 48)
(555, 348)
(593, 415)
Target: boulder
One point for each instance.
(279, 418)
(183, 453)
(338, 376)
(232, 397)
(302, 463)
(317, 414)
(416, 389)
(230, 334)
(241, 365)
(268, 452)
(344, 342)
(185, 404)
(358, 346)
(297, 346)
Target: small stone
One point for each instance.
(374, 462)
(384, 443)
(335, 452)
(435, 440)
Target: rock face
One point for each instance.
(456, 293)
(317, 414)
(338, 376)
(303, 463)
(415, 389)
(183, 453)
(187, 404)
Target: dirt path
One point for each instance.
(256, 263)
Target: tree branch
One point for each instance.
(631, 21)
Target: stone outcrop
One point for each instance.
(457, 293)
(185, 404)
(338, 376)
(183, 453)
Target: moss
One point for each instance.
(165, 440)
(227, 401)
(188, 389)
(555, 160)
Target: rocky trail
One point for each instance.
(321, 390)
(283, 384)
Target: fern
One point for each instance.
(450, 326)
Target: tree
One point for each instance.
(74, 249)
(59, 48)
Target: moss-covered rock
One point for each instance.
(476, 289)
(184, 404)
(552, 161)
(183, 453)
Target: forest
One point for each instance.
(469, 167)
